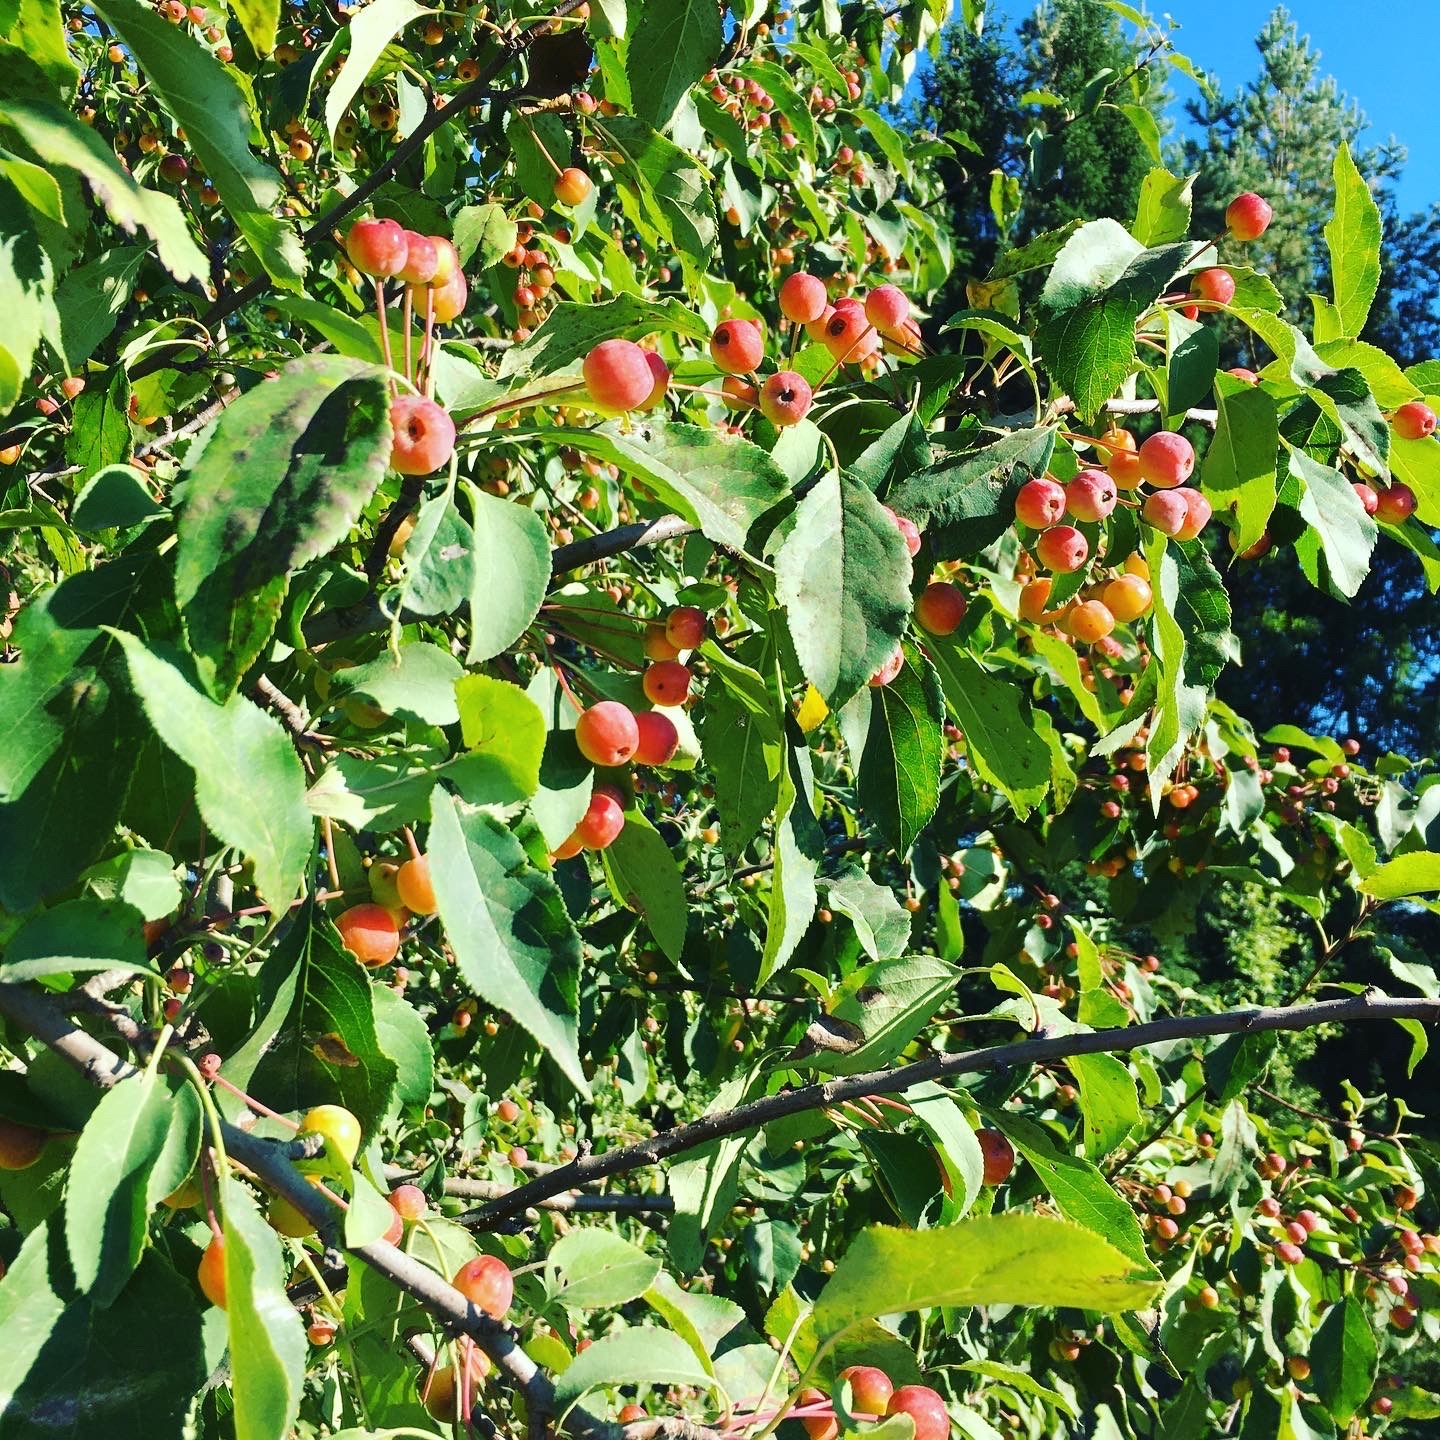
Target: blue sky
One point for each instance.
(1363, 44)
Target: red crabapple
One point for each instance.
(887, 309)
(618, 376)
(1243, 372)
(572, 185)
(740, 394)
(659, 739)
(424, 436)
(1247, 217)
(846, 330)
(1216, 286)
(785, 398)
(815, 329)
(870, 1388)
(487, 1284)
(940, 608)
(1413, 421)
(377, 247)
(1367, 496)
(685, 627)
(447, 260)
(909, 531)
(603, 820)
(925, 1407)
(407, 1201)
(1166, 511)
(999, 1156)
(889, 668)
(803, 298)
(1166, 459)
(737, 346)
(422, 259)
(1062, 548)
(667, 682)
(606, 733)
(1091, 495)
(660, 372)
(1040, 503)
(1395, 504)
(1197, 513)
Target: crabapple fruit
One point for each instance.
(909, 531)
(487, 1284)
(603, 820)
(1166, 459)
(925, 1407)
(1091, 495)
(408, 1202)
(1248, 216)
(369, 932)
(1367, 496)
(1197, 513)
(211, 1273)
(422, 259)
(660, 374)
(870, 1388)
(606, 733)
(413, 883)
(424, 436)
(1216, 286)
(940, 608)
(1395, 504)
(685, 627)
(659, 739)
(1413, 421)
(999, 1156)
(845, 331)
(740, 394)
(887, 309)
(340, 1129)
(803, 298)
(572, 185)
(889, 668)
(785, 398)
(447, 299)
(657, 645)
(20, 1145)
(1062, 548)
(821, 1423)
(667, 682)
(1089, 621)
(1127, 598)
(377, 247)
(737, 346)
(618, 376)
(1166, 510)
(1040, 503)
(1033, 599)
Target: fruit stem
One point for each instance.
(384, 331)
(254, 1104)
(426, 357)
(539, 145)
(406, 308)
(409, 835)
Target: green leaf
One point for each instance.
(89, 300)
(671, 44)
(403, 1037)
(663, 189)
(26, 293)
(1345, 534)
(704, 1186)
(843, 576)
(65, 144)
(375, 792)
(315, 1039)
(114, 498)
(248, 781)
(1344, 1358)
(630, 1355)
(900, 768)
(882, 924)
(992, 1260)
(348, 335)
(1417, 873)
(644, 877)
(144, 879)
(439, 559)
(267, 1335)
(280, 482)
(105, 1363)
(1162, 213)
(722, 483)
(258, 19)
(1109, 1102)
(120, 1152)
(1194, 353)
(208, 102)
(504, 735)
(595, 1270)
(415, 682)
(1388, 383)
(511, 558)
(799, 847)
(1352, 236)
(1100, 284)
(1238, 471)
(996, 719)
(513, 939)
(1036, 254)
(77, 936)
(370, 30)
(744, 747)
(486, 231)
(1142, 117)
(888, 1004)
(572, 330)
(1077, 1186)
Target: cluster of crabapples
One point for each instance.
(873, 1396)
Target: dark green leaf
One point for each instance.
(77, 936)
(644, 877)
(744, 747)
(900, 769)
(1344, 1358)
(671, 44)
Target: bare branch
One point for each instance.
(615, 542)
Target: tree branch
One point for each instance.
(757, 1113)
